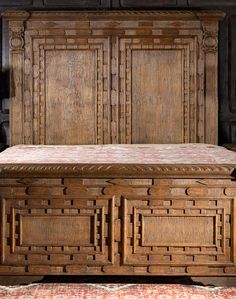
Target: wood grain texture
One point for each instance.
(128, 229)
(156, 113)
(227, 119)
(71, 88)
(182, 97)
(56, 231)
(184, 228)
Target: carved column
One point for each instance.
(210, 49)
(16, 62)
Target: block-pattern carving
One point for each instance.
(188, 48)
(114, 36)
(156, 222)
(117, 226)
(37, 47)
(38, 216)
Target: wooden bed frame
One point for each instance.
(139, 217)
(156, 211)
(123, 77)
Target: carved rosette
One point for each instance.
(16, 21)
(16, 36)
(210, 41)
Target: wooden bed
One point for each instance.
(118, 209)
(125, 79)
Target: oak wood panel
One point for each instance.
(16, 94)
(188, 231)
(157, 107)
(227, 36)
(56, 231)
(70, 109)
(126, 241)
(117, 82)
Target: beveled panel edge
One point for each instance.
(118, 170)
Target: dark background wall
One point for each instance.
(227, 50)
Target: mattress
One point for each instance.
(121, 160)
(118, 153)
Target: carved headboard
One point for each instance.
(113, 77)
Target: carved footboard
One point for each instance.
(119, 218)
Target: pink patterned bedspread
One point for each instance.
(118, 153)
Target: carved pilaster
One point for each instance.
(210, 48)
(16, 21)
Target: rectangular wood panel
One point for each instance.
(178, 230)
(146, 77)
(56, 230)
(159, 226)
(157, 96)
(70, 97)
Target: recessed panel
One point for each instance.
(178, 230)
(56, 230)
(70, 108)
(157, 96)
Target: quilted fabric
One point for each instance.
(119, 153)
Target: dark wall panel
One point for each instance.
(78, 4)
(16, 3)
(232, 83)
(211, 3)
(227, 79)
(142, 4)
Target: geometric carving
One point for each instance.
(102, 87)
(128, 226)
(83, 63)
(162, 230)
(145, 100)
(56, 230)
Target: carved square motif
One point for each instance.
(70, 81)
(148, 69)
(158, 234)
(77, 234)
